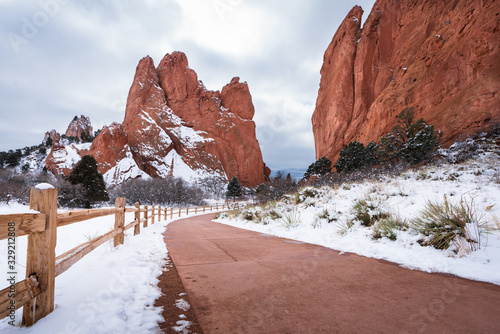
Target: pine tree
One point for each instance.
(322, 166)
(234, 188)
(86, 174)
(355, 155)
(410, 141)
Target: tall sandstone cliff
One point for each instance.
(439, 56)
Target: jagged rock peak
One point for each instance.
(80, 127)
(54, 137)
(175, 123)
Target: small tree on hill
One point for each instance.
(86, 174)
(322, 166)
(234, 189)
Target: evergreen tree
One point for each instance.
(410, 141)
(234, 188)
(355, 155)
(322, 166)
(86, 174)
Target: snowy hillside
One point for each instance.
(335, 217)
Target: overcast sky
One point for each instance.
(61, 58)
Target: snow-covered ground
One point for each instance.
(323, 219)
(111, 290)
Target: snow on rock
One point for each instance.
(63, 157)
(126, 169)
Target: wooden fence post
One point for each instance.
(137, 228)
(180, 212)
(171, 213)
(152, 215)
(41, 257)
(195, 210)
(120, 204)
(165, 214)
(146, 214)
(187, 211)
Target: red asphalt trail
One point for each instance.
(240, 281)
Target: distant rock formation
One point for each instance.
(51, 137)
(173, 127)
(81, 128)
(441, 57)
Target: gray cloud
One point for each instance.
(79, 57)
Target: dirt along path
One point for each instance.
(239, 281)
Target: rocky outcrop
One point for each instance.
(62, 158)
(173, 127)
(81, 128)
(177, 127)
(109, 147)
(113, 155)
(51, 137)
(440, 57)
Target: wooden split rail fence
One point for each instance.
(36, 292)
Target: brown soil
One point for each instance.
(172, 290)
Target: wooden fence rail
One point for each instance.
(36, 292)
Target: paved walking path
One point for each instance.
(240, 281)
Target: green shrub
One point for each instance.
(273, 214)
(222, 215)
(368, 211)
(291, 219)
(344, 226)
(322, 166)
(305, 193)
(388, 227)
(445, 224)
(409, 141)
(327, 215)
(324, 216)
(355, 155)
(247, 215)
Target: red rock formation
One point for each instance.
(172, 119)
(53, 135)
(173, 126)
(80, 126)
(62, 158)
(109, 147)
(440, 57)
